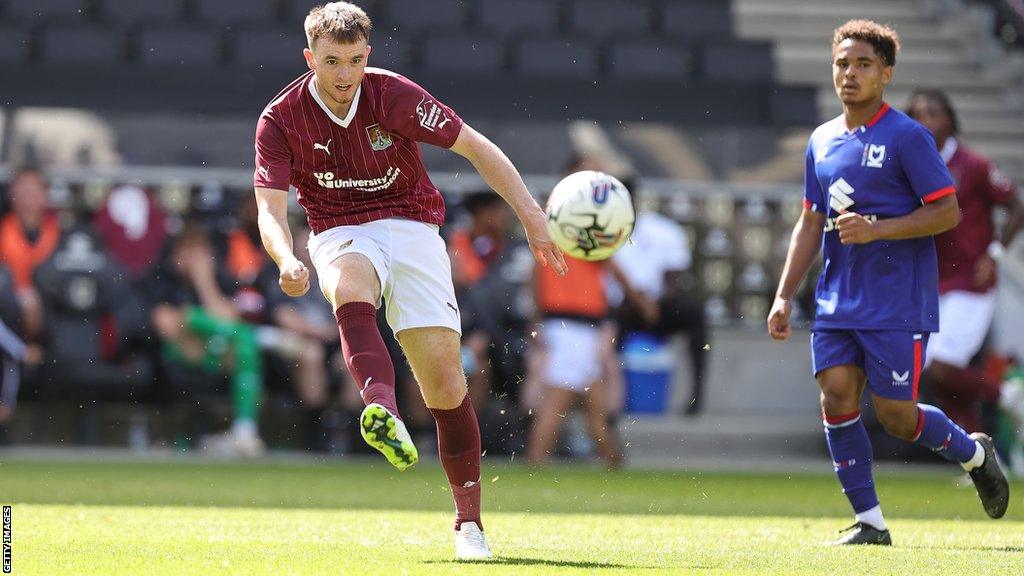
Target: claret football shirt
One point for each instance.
(364, 167)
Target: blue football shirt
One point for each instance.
(886, 168)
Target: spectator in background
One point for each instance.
(13, 351)
(491, 269)
(200, 326)
(28, 236)
(280, 331)
(133, 227)
(968, 257)
(656, 260)
(574, 313)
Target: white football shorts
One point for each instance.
(964, 320)
(411, 263)
(573, 353)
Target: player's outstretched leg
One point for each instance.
(370, 364)
(852, 459)
(974, 453)
(458, 443)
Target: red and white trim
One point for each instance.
(842, 420)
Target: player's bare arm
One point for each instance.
(277, 239)
(499, 173)
(803, 248)
(928, 220)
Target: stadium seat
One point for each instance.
(15, 44)
(463, 53)
(277, 46)
(696, 19)
(188, 46)
(233, 12)
(77, 44)
(515, 16)
(135, 12)
(92, 315)
(391, 50)
(48, 10)
(609, 18)
(550, 57)
(740, 62)
(649, 60)
(407, 17)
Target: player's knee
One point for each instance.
(346, 293)
(897, 420)
(445, 392)
(838, 400)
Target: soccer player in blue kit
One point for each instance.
(875, 193)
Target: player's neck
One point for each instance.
(857, 115)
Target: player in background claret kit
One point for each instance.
(877, 189)
(968, 258)
(346, 137)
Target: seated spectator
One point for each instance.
(28, 236)
(133, 227)
(491, 269)
(655, 260)
(13, 351)
(200, 326)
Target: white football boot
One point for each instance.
(471, 544)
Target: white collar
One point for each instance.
(351, 109)
(948, 149)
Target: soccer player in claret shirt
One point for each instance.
(967, 271)
(345, 136)
(876, 191)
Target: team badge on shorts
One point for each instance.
(379, 139)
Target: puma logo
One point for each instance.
(324, 147)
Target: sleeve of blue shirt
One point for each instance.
(814, 196)
(925, 170)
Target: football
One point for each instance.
(590, 215)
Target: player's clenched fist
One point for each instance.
(294, 279)
(778, 319)
(854, 228)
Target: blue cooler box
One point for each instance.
(648, 363)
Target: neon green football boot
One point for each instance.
(385, 432)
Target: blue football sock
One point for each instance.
(851, 456)
(936, 431)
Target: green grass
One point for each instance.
(190, 517)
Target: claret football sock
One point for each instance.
(366, 355)
(458, 443)
(851, 457)
(938, 432)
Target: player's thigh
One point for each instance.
(893, 362)
(419, 292)
(964, 320)
(837, 361)
(350, 264)
(435, 356)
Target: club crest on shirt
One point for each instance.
(874, 156)
(430, 114)
(379, 139)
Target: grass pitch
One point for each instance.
(194, 517)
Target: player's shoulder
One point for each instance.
(900, 124)
(385, 78)
(828, 129)
(289, 96)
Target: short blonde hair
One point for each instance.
(342, 22)
(884, 39)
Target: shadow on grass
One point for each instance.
(519, 561)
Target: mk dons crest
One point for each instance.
(379, 139)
